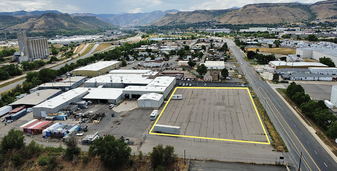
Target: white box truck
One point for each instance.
(154, 115)
(166, 129)
(177, 97)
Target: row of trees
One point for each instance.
(5, 53)
(317, 111)
(26, 66)
(260, 58)
(327, 61)
(8, 71)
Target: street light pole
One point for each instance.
(299, 165)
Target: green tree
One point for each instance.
(276, 77)
(324, 118)
(181, 53)
(25, 65)
(286, 36)
(114, 153)
(332, 131)
(72, 148)
(46, 75)
(327, 61)
(202, 69)
(13, 140)
(161, 156)
(251, 54)
(124, 63)
(191, 63)
(54, 51)
(300, 97)
(277, 43)
(187, 47)
(224, 72)
(312, 37)
(270, 45)
(203, 47)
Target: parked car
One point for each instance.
(180, 84)
(111, 106)
(183, 84)
(190, 84)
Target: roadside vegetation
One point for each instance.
(107, 153)
(282, 51)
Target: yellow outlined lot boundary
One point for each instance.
(209, 138)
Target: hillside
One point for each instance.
(264, 13)
(20, 13)
(50, 22)
(128, 19)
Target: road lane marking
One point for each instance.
(325, 164)
(290, 130)
(308, 142)
(301, 133)
(209, 138)
(315, 151)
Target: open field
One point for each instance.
(225, 114)
(102, 46)
(281, 51)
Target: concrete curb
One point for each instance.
(310, 129)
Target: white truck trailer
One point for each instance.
(166, 129)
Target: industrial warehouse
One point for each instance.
(97, 69)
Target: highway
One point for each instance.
(295, 135)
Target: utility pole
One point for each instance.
(299, 165)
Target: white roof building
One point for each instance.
(110, 95)
(215, 64)
(59, 102)
(118, 80)
(150, 100)
(282, 64)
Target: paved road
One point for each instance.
(296, 136)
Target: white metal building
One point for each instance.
(323, 71)
(151, 100)
(334, 95)
(307, 77)
(36, 98)
(215, 64)
(316, 53)
(108, 95)
(118, 81)
(96, 69)
(59, 102)
(283, 65)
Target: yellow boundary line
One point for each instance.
(209, 138)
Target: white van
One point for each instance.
(154, 115)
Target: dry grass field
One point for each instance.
(102, 46)
(281, 51)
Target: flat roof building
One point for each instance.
(64, 85)
(118, 81)
(97, 69)
(316, 53)
(215, 64)
(36, 98)
(304, 65)
(150, 100)
(59, 102)
(104, 95)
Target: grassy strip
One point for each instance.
(88, 49)
(102, 46)
(11, 82)
(277, 141)
(282, 51)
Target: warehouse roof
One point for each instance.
(97, 66)
(151, 96)
(130, 71)
(307, 75)
(60, 99)
(329, 68)
(291, 64)
(125, 78)
(104, 93)
(36, 97)
(163, 81)
(145, 89)
(214, 64)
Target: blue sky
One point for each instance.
(126, 6)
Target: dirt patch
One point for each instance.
(79, 48)
(102, 46)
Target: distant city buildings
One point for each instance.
(31, 48)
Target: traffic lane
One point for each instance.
(313, 148)
(11, 86)
(293, 125)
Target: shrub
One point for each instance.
(85, 159)
(42, 160)
(140, 155)
(60, 167)
(162, 156)
(17, 160)
(51, 162)
(33, 149)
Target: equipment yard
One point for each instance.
(226, 114)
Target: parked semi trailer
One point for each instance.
(166, 129)
(4, 110)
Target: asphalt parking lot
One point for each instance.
(317, 92)
(214, 113)
(225, 166)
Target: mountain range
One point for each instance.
(263, 13)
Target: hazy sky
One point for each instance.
(126, 6)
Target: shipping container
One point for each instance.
(28, 123)
(28, 128)
(39, 128)
(166, 129)
(19, 114)
(4, 110)
(16, 110)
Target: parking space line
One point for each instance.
(209, 138)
